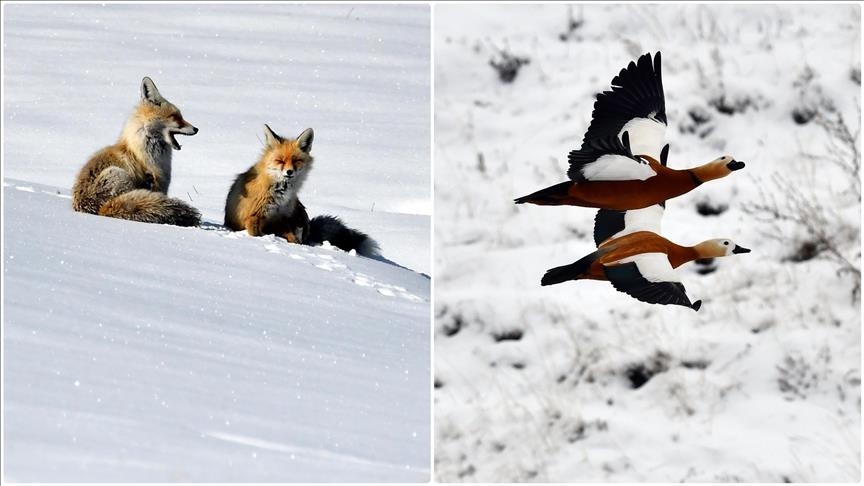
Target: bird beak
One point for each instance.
(740, 249)
(735, 165)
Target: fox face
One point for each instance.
(287, 161)
(157, 114)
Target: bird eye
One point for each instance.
(726, 243)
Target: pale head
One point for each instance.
(717, 168)
(727, 163)
(719, 247)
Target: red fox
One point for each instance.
(263, 200)
(129, 180)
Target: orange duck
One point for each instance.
(637, 260)
(630, 119)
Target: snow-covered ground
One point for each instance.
(136, 352)
(578, 382)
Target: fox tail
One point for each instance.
(151, 207)
(332, 229)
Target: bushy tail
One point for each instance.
(332, 229)
(573, 271)
(151, 207)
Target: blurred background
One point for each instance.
(579, 382)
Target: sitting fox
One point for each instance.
(129, 180)
(263, 200)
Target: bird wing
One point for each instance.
(609, 223)
(607, 159)
(649, 277)
(635, 104)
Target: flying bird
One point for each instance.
(621, 164)
(633, 256)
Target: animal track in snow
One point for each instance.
(322, 257)
(385, 289)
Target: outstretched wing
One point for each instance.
(649, 277)
(635, 104)
(607, 159)
(610, 223)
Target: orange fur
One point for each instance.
(254, 204)
(630, 194)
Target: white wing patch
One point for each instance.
(646, 136)
(646, 219)
(655, 267)
(616, 168)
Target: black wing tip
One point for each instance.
(649, 61)
(637, 91)
(654, 60)
(626, 278)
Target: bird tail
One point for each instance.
(551, 196)
(332, 229)
(573, 271)
(150, 207)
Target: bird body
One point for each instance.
(621, 164)
(634, 244)
(637, 260)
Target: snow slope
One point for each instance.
(151, 353)
(204, 355)
(578, 382)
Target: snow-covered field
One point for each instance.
(136, 352)
(578, 382)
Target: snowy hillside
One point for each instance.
(204, 355)
(578, 382)
(137, 352)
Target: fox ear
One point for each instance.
(150, 93)
(304, 141)
(271, 137)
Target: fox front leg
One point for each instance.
(294, 236)
(253, 225)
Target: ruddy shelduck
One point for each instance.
(637, 260)
(621, 164)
